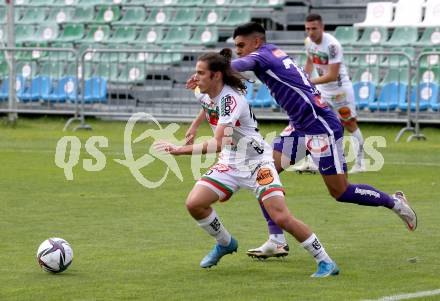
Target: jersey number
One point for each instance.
(288, 62)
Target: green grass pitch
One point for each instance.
(134, 243)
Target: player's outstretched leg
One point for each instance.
(198, 204)
(275, 246)
(278, 211)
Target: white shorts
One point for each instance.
(342, 102)
(264, 181)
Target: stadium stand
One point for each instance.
(133, 52)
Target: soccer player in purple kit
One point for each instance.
(317, 130)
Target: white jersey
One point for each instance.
(248, 148)
(328, 52)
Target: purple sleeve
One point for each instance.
(247, 63)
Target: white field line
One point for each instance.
(10, 150)
(408, 296)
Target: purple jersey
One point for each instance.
(289, 86)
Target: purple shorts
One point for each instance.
(326, 148)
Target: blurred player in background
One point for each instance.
(245, 161)
(324, 53)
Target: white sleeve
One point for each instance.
(231, 107)
(334, 53)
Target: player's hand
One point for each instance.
(191, 83)
(166, 147)
(190, 136)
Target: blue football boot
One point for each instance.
(326, 269)
(218, 252)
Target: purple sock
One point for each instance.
(273, 228)
(366, 195)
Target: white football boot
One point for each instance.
(269, 249)
(308, 166)
(404, 211)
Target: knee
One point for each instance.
(191, 205)
(282, 220)
(337, 193)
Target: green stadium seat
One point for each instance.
(3, 34)
(204, 36)
(211, 17)
(64, 3)
(194, 3)
(430, 60)
(150, 35)
(398, 60)
(372, 36)
(76, 71)
(243, 3)
(428, 75)
(71, 33)
(64, 55)
(142, 56)
(346, 35)
(430, 37)
(47, 3)
(236, 17)
(33, 15)
(2, 15)
(107, 14)
(123, 34)
(402, 36)
(97, 34)
(53, 69)
(131, 73)
(26, 69)
(22, 2)
(132, 16)
(270, 3)
(159, 16)
(395, 75)
(46, 32)
(24, 33)
(168, 58)
(176, 35)
(4, 69)
(83, 14)
(370, 59)
(300, 59)
(366, 74)
(107, 57)
(92, 2)
(184, 16)
(61, 15)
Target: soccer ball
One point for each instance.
(54, 255)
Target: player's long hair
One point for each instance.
(221, 62)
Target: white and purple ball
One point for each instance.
(54, 255)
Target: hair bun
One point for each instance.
(227, 53)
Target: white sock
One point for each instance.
(215, 228)
(316, 249)
(360, 146)
(278, 238)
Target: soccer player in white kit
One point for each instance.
(245, 161)
(324, 52)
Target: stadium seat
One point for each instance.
(262, 99)
(33, 15)
(367, 74)
(432, 14)
(95, 90)
(65, 89)
(4, 88)
(204, 36)
(113, 57)
(107, 14)
(61, 15)
(71, 33)
(184, 16)
(132, 16)
(47, 3)
(107, 70)
(39, 88)
(83, 14)
(23, 33)
(54, 70)
(150, 35)
(131, 73)
(249, 91)
(395, 60)
(211, 17)
(346, 35)
(176, 35)
(364, 94)
(26, 69)
(390, 96)
(402, 36)
(378, 14)
(159, 16)
(370, 59)
(45, 32)
(428, 75)
(428, 93)
(236, 17)
(395, 75)
(408, 13)
(429, 60)
(123, 35)
(97, 34)
(372, 36)
(430, 37)
(270, 3)
(65, 2)
(168, 57)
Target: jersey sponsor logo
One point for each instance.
(212, 116)
(318, 145)
(319, 58)
(265, 176)
(368, 192)
(338, 98)
(278, 53)
(228, 105)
